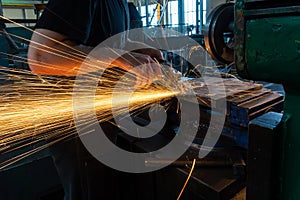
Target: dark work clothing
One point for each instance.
(135, 17)
(88, 22)
(82, 176)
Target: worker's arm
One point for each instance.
(47, 56)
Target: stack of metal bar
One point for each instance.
(244, 102)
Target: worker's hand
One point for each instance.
(155, 54)
(143, 48)
(143, 66)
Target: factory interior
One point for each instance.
(240, 142)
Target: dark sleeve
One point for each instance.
(68, 17)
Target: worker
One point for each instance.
(83, 24)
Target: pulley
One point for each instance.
(219, 33)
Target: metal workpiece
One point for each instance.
(244, 100)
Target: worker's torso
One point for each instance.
(109, 18)
(88, 22)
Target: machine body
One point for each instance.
(267, 48)
(267, 41)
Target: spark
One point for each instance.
(38, 108)
(187, 180)
(35, 108)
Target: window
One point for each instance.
(190, 14)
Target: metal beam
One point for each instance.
(143, 2)
(201, 15)
(181, 20)
(147, 12)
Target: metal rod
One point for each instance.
(181, 15)
(197, 16)
(179, 163)
(163, 12)
(201, 16)
(147, 12)
(139, 6)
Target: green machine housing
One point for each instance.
(267, 48)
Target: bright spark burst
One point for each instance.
(35, 108)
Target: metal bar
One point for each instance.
(197, 17)
(153, 14)
(20, 21)
(199, 163)
(181, 15)
(139, 4)
(273, 11)
(163, 11)
(147, 12)
(201, 16)
(1, 10)
(18, 6)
